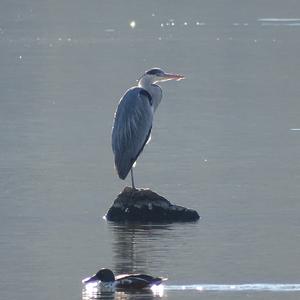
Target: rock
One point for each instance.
(144, 205)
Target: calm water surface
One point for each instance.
(225, 141)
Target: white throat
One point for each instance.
(146, 82)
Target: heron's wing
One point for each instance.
(131, 128)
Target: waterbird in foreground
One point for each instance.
(107, 280)
(133, 119)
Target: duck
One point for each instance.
(106, 279)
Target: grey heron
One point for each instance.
(133, 119)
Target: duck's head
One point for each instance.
(103, 275)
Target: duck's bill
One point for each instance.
(90, 279)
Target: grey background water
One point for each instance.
(222, 143)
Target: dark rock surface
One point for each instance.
(144, 205)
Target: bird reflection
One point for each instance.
(139, 248)
(136, 249)
(95, 293)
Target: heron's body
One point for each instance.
(132, 128)
(133, 119)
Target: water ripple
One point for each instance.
(273, 287)
(279, 21)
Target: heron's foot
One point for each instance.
(130, 189)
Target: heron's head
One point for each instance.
(155, 75)
(104, 275)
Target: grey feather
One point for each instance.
(131, 128)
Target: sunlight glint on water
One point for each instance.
(237, 287)
(225, 142)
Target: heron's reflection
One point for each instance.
(139, 248)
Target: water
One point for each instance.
(225, 142)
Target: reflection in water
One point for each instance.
(158, 292)
(134, 246)
(91, 292)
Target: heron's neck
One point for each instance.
(154, 90)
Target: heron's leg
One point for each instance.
(132, 180)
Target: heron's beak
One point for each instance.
(169, 76)
(90, 279)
